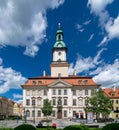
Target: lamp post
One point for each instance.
(24, 116)
(33, 104)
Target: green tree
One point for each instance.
(99, 103)
(47, 108)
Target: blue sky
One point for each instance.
(27, 35)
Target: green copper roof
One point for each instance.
(59, 44)
(59, 38)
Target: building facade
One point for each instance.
(9, 108)
(67, 93)
(6, 107)
(113, 94)
(17, 109)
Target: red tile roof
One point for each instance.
(110, 92)
(73, 80)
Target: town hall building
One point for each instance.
(67, 93)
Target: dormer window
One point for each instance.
(80, 82)
(85, 82)
(39, 82)
(112, 94)
(34, 82)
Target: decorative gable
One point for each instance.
(60, 83)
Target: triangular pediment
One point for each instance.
(59, 83)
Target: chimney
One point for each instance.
(75, 72)
(114, 88)
(44, 73)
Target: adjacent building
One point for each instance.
(9, 108)
(6, 107)
(68, 93)
(17, 109)
(113, 94)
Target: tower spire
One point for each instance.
(59, 26)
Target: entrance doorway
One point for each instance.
(59, 114)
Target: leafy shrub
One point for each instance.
(113, 126)
(76, 127)
(25, 127)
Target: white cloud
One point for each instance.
(10, 79)
(112, 28)
(23, 23)
(109, 24)
(79, 27)
(84, 64)
(97, 6)
(19, 101)
(108, 75)
(17, 96)
(87, 22)
(91, 37)
(105, 40)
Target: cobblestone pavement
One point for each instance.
(61, 123)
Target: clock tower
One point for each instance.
(59, 65)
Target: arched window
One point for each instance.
(27, 113)
(59, 37)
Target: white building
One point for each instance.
(70, 91)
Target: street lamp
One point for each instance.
(33, 104)
(24, 115)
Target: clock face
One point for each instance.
(59, 53)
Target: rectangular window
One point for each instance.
(80, 102)
(39, 113)
(28, 93)
(54, 102)
(65, 101)
(74, 102)
(86, 102)
(80, 92)
(74, 92)
(54, 92)
(28, 113)
(33, 92)
(27, 102)
(39, 101)
(112, 101)
(33, 113)
(116, 101)
(74, 113)
(59, 92)
(65, 92)
(117, 116)
(53, 113)
(65, 113)
(45, 92)
(33, 102)
(86, 92)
